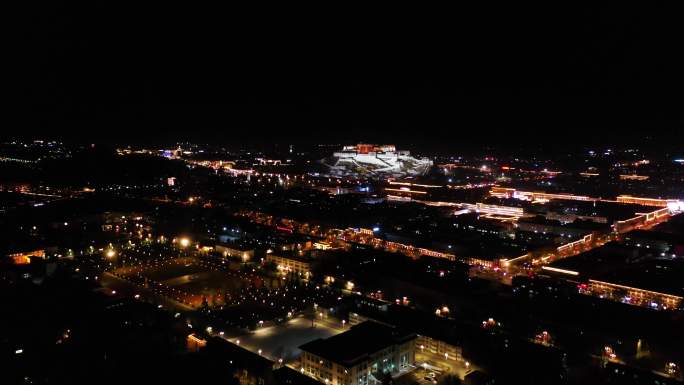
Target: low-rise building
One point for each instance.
(195, 343)
(24, 257)
(244, 252)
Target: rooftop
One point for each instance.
(295, 255)
(355, 345)
(625, 265)
(674, 225)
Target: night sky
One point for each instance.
(143, 73)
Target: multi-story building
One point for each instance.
(427, 347)
(295, 261)
(360, 356)
(243, 252)
(438, 348)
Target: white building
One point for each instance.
(374, 160)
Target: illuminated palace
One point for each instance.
(376, 160)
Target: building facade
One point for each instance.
(291, 263)
(234, 251)
(361, 356)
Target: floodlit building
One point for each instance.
(292, 262)
(243, 252)
(624, 273)
(370, 160)
(22, 258)
(195, 343)
(360, 356)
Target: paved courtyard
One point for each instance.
(282, 341)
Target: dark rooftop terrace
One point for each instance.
(355, 345)
(625, 265)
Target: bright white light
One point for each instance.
(675, 206)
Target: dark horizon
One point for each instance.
(582, 77)
(438, 143)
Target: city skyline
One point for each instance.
(303, 196)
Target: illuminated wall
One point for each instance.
(25, 257)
